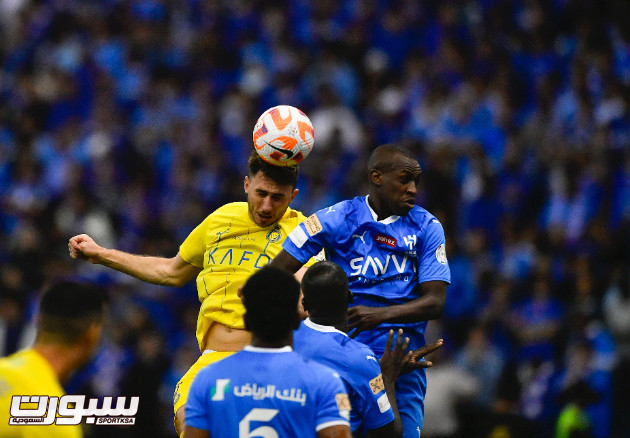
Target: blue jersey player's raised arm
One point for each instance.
(267, 389)
(394, 254)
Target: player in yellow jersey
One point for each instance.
(222, 252)
(69, 329)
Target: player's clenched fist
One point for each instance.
(84, 247)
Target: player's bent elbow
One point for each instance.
(174, 282)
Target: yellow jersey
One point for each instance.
(230, 247)
(28, 373)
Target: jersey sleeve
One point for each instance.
(317, 257)
(315, 233)
(333, 404)
(194, 247)
(371, 399)
(433, 264)
(197, 412)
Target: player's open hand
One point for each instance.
(362, 318)
(414, 358)
(393, 361)
(84, 247)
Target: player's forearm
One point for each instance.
(430, 305)
(286, 261)
(420, 309)
(390, 389)
(146, 268)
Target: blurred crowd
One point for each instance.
(131, 120)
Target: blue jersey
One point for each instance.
(266, 392)
(358, 367)
(384, 260)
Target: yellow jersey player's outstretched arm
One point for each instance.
(164, 271)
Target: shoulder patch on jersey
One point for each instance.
(313, 225)
(435, 221)
(383, 403)
(377, 384)
(343, 402)
(440, 254)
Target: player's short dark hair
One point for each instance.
(383, 157)
(281, 175)
(325, 289)
(271, 297)
(68, 308)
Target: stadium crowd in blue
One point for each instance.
(131, 120)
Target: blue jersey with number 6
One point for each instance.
(266, 392)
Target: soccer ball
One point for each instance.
(283, 136)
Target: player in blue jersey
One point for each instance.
(394, 255)
(267, 389)
(322, 337)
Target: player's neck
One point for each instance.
(378, 206)
(259, 343)
(62, 359)
(340, 322)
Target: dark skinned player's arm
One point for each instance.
(286, 261)
(429, 305)
(392, 364)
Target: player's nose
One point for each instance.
(412, 188)
(266, 205)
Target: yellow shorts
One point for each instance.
(183, 386)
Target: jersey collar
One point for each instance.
(387, 220)
(322, 328)
(285, 349)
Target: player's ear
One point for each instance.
(376, 177)
(294, 194)
(246, 183)
(350, 296)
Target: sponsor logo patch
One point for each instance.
(313, 225)
(377, 384)
(383, 403)
(440, 254)
(389, 241)
(219, 390)
(343, 402)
